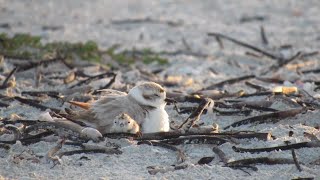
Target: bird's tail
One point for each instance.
(82, 105)
(83, 117)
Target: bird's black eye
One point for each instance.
(128, 122)
(156, 95)
(115, 122)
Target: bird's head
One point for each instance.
(123, 120)
(149, 93)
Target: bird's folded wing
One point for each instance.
(106, 110)
(111, 92)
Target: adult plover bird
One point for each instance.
(145, 103)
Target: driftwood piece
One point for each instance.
(54, 94)
(229, 81)
(51, 153)
(220, 154)
(35, 138)
(195, 116)
(35, 104)
(176, 134)
(255, 86)
(21, 121)
(67, 129)
(310, 144)
(205, 160)
(89, 151)
(225, 160)
(260, 160)
(239, 104)
(271, 117)
(271, 80)
(195, 140)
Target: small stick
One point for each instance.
(35, 138)
(232, 113)
(22, 121)
(252, 18)
(33, 103)
(263, 36)
(253, 54)
(229, 81)
(39, 63)
(108, 85)
(176, 134)
(53, 94)
(260, 160)
(294, 156)
(86, 81)
(221, 154)
(195, 116)
(4, 84)
(313, 53)
(186, 45)
(311, 71)
(283, 148)
(51, 153)
(218, 39)
(271, 80)
(256, 105)
(282, 63)
(271, 117)
(272, 56)
(255, 86)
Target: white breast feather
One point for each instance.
(156, 120)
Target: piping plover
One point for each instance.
(123, 123)
(145, 103)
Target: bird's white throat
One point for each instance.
(157, 120)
